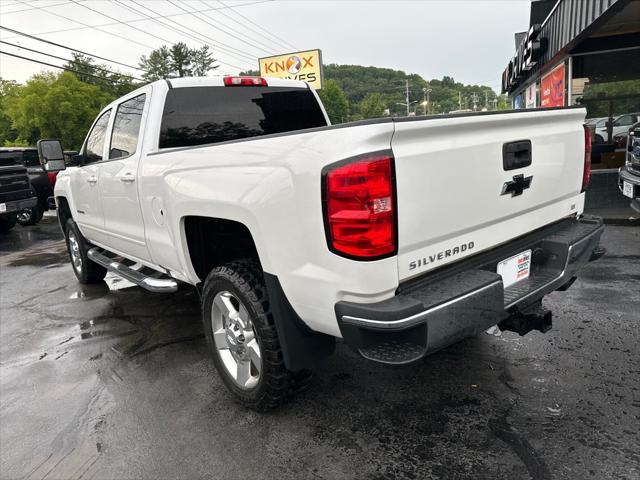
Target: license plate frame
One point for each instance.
(627, 189)
(515, 269)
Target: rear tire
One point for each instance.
(30, 216)
(86, 271)
(242, 337)
(7, 222)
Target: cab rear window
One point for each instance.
(201, 115)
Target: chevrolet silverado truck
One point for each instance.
(16, 193)
(399, 236)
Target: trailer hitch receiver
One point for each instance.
(522, 322)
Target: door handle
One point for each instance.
(128, 178)
(516, 155)
(92, 179)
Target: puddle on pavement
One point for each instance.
(20, 238)
(94, 290)
(166, 320)
(49, 257)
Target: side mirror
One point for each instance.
(51, 155)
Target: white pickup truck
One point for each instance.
(398, 235)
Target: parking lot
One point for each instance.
(110, 381)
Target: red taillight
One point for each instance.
(586, 175)
(245, 82)
(359, 207)
(52, 178)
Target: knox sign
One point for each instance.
(306, 66)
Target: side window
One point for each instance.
(95, 140)
(126, 127)
(622, 121)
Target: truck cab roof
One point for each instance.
(218, 81)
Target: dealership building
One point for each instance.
(580, 52)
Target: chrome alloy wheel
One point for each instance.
(74, 249)
(25, 215)
(235, 339)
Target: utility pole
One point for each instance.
(408, 103)
(407, 96)
(475, 101)
(486, 100)
(459, 100)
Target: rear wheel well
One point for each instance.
(215, 241)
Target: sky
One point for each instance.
(470, 40)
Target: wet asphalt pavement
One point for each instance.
(114, 382)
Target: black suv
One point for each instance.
(40, 181)
(16, 194)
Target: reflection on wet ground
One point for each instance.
(110, 381)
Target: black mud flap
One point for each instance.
(301, 347)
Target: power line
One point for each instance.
(240, 55)
(241, 24)
(67, 48)
(58, 66)
(87, 25)
(109, 24)
(233, 34)
(244, 53)
(31, 8)
(182, 32)
(256, 24)
(65, 59)
(119, 21)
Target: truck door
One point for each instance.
(84, 182)
(123, 223)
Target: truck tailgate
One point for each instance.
(451, 181)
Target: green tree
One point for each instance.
(372, 106)
(181, 59)
(54, 106)
(112, 82)
(7, 133)
(177, 61)
(335, 102)
(202, 61)
(157, 65)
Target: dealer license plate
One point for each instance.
(515, 269)
(627, 189)
(3, 207)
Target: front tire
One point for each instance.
(242, 337)
(86, 271)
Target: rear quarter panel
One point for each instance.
(273, 186)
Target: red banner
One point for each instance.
(552, 88)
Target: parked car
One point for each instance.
(629, 174)
(41, 181)
(16, 193)
(595, 124)
(620, 124)
(399, 235)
